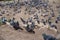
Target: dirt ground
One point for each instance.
(8, 33)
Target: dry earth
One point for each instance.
(7, 33)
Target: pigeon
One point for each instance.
(48, 37)
(24, 22)
(30, 27)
